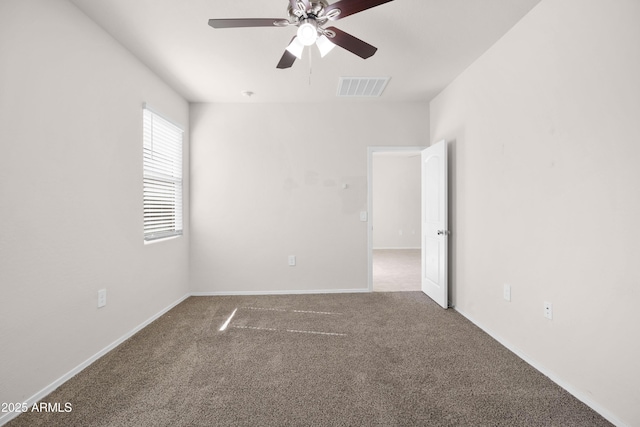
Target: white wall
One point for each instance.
(396, 201)
(267, 183)
(71, 195)
(545, 135)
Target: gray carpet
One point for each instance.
(387, 359)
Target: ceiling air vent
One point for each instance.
(367, 87)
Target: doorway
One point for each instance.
(394, 206)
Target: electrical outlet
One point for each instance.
(292, 260)
(548, 310)
(506, 293)
(102, 298)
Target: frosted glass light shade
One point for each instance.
(296, 48)
(324, 45)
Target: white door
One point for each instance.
(434, 223)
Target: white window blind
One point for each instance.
(162, 177)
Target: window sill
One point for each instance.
(162, 239)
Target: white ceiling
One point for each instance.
(422, 45)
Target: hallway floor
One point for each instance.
(396, 270)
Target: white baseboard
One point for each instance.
(286, 292)
(548, 373)
(5, 418)
(389, 249)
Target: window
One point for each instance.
(162, 177)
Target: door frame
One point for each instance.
(371, 150)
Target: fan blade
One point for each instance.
(238, 23)
(287, 59)
(352, 44)
(349, 7)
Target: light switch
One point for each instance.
(363, 216)
(102, 298)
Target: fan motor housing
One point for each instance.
(316, 7)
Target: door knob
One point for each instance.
(443, 232)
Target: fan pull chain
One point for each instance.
(310, 65)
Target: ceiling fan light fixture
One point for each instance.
(310, 17)
(296, 48)
(324, 45)
(308, 32)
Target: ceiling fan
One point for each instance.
(310, 16)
